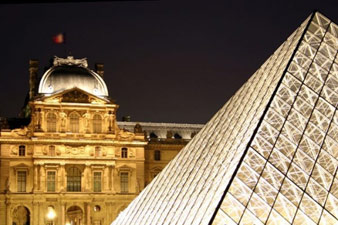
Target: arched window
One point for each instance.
(97, 151)
(97, 124)
(73, 179)
(22, 150)
(157, 155)
(51, 122)
(52, 150)
(124, 153)
(74, 122)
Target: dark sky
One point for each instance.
(165, 61)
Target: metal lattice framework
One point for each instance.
(270, 155)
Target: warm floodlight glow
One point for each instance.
(67, 223)
(269, 156)
(51, 213)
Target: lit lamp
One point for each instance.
(51, 213)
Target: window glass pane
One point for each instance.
(157, 155)
(124, 153)
(124, 182)
(97, 151)
(51, 181)
(97, 124)
(97, 181)
(74, 123)
(22, 150)
(51, 122)
(73, 179)
(52, 150)
(21, 181)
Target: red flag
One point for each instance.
(59, 38)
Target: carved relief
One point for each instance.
(91, 152)
(53, 99)
(75, 96)
(125, 135)
(75, 150)
(14, 150)
(44, 150)
(29, 150)
(131, 153)
(104, 152)
(70, 61)
(20, 131)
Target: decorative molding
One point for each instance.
(70, 61)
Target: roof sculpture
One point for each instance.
(269, 155)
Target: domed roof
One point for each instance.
(69, 73)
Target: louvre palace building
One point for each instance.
(68, 161)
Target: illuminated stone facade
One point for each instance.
(73, 163)
(269, 155)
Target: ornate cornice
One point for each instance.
(70, 61)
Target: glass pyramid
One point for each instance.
(269, 155)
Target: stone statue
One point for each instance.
(20, 131)
(86, 117)
(125, 135)
(138, 128)
(63, 117)
(38, 119)
(111, 121)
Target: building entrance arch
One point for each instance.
(21, 216)
(74, 216)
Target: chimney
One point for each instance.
(99, 69)
(33, 75)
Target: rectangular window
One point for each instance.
(124, 153)
(124, 182)
(21, 181)
(52, 150)
(97, 151)
(97, 181)
(157, 156)
(22, 150)
(51, 181)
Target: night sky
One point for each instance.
(165, 61)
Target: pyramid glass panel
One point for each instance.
(269, 155)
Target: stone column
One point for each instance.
(8, 213)
(35, 213)
(112, 189)
(105, 179)
(62, 178)
(88, 214)
(87, 178)
(42, 177)
(63, 214)
(36, 178)
(83, 181)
